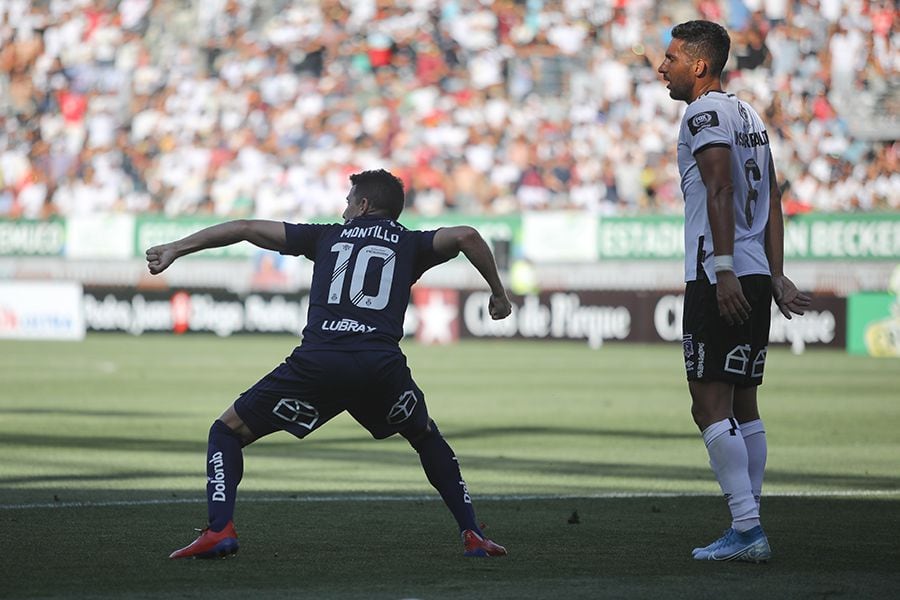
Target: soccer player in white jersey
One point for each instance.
(734, 237)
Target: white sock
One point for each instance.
(755, 440)
(728, 459)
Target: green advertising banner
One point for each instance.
(500, 228)
(843, 236)
(152, 230)
(873, 324)
(851, 236)
(32, 238)
(641, 237)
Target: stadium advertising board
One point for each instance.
(857, 236)
(558, 237)
(183, 311)
(873, 324)
(153, 230)
(598, 317)
(640, 237)
(32, 238)
(224, 313)
(843, 236)
(546, 237)
(99, 236)
(440, 316)
(503, 233)
(41, 310)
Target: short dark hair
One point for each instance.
(705, 39)
(383, 189)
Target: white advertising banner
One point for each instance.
(41, 310)
(559, 237)
(100, 236)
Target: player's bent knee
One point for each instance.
(416, 437)
(243, 434)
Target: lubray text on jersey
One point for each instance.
(720, 119)
(362, 274)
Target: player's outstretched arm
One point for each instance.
(787, 297)
(450, 241)
(265, 234)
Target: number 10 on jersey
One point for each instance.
(358, 275)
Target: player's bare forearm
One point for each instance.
(788, 298)
(775, 226)
(264, 234)
(450, 241)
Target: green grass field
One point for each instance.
(102, 475)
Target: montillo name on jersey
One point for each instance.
(375, 231)
(346, 325)
(751, 140)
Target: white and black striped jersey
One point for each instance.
(721, 119)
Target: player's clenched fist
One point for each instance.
(160, 257)
(499, 306)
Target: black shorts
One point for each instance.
(716, 351)
(311, 387)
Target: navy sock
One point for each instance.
(224, 469)
(442, 470)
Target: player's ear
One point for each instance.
(364, 206)
(700, 68)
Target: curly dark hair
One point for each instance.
(383, 189)
(707, 40)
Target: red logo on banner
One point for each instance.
(181, 312)
(438, 315)
(8, 319)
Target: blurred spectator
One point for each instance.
(251, 108)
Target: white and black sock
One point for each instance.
(728, 459)
(757, 449)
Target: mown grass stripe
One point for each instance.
(413, 498)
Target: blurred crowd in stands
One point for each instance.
(262, 108)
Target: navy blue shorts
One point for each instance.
(311, 387)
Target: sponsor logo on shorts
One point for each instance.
(687, 342)
(297, 411)
(701, 359)
(217, 479)
(403, 408)
(347, 325)
(759, 363)
(738, 359)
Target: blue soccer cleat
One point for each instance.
(748, 546)
(475, 545)
(709, 548)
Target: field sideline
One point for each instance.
(103, 444)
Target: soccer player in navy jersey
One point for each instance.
(734, 255)
(349, 358)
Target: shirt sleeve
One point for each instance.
(706, 127)
(426, 257)
(302, 238)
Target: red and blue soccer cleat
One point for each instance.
(211, 544)
(475, 545)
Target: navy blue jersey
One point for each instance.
(361, 280)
